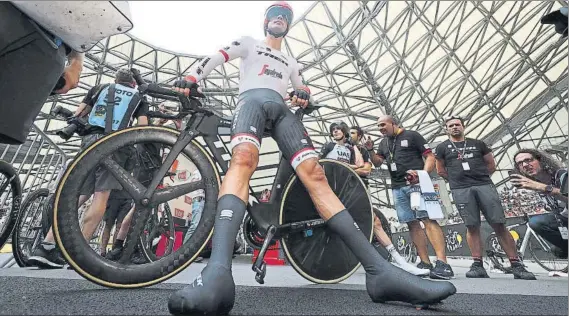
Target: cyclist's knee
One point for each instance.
(245, 155)
(311, 173)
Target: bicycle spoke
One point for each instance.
(167, 194)
(128, 182)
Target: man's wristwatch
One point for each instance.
(548, 189)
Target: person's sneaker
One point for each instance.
(138, 258)
(47, 258)
(441, 271)
(564, 270)
(115, 254)
(477, 271)
(413, 269)
(520, 272)
(424, 265)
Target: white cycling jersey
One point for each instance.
(261, 66)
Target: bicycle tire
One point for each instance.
(112, 274)
(17, 251)
(151, 256)
(326, 267)
(538, 261)
(15, 185)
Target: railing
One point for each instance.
(37, 161)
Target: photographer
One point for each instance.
(543, 174)
(128, 103)
(37, 38)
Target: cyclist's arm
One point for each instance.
(296, 80)
(205, 66)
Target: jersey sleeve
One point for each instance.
(296, 80)
(440, 151)
(484, 149)
(421, 144)
(365, 154)
(89, 98)
(325, 150)
(352, 155)
(237, 48)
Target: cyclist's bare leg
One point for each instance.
(213, 291)
(49, 238)
(94, 214)
(384, 282)
(380, 233)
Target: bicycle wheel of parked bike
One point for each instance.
(387, 228)
(318, 254)
(123, 274)
(10, 198)
(160, 226)
(28, 232)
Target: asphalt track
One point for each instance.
(63, 292)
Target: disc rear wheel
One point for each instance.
(318, 254)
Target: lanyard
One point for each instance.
(460, 155)
(392, 150)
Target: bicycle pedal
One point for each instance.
(261, 272)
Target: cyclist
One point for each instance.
(34, 47)
(340, 149)
(128, 104)
(265, 72)
(356, 137)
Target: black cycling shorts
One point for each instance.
(260, 109)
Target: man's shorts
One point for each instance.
(117, 210)
(102, 180)
(29, 70)
(260, 109)
(470, 201)
(402, 200)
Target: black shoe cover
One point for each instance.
(211, 293)
(390, 283)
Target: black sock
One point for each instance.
(118, 244)
(343, 224)
(477, 260)
(228, 219)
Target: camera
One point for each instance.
(77, 125)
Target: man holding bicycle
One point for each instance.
(467, 165)
(265, 72)
(543, 174)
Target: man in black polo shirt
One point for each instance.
(356, 136)
(403, 151)
(467, 164)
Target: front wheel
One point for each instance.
(10, 198)
(319, 255)
(125, 274)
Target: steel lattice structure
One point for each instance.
(491, 62)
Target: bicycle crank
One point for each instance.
(259, 266)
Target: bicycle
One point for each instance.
(289, 215)
(10, 198)
(539, 247)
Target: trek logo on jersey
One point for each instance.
(273, 57)
(226, 214)
(270, 72)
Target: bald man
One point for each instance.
(403, 152)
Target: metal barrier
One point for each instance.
(37, 161)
